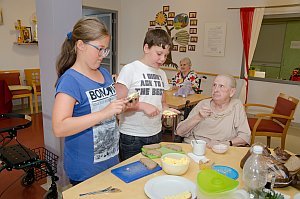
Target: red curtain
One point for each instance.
(246, 16)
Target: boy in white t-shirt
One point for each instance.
(141, 124)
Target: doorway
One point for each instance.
(109, 17)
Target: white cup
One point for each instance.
(199, 147)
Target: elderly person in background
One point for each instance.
(220, 118)
(186, 74)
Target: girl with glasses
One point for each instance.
(85, 105)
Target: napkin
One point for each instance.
(197, 158)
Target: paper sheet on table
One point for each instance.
(197, 158)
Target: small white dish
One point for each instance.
(220, 148)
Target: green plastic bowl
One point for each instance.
(211, 182)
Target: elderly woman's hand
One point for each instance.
(205, 112)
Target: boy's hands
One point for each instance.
(149, 109)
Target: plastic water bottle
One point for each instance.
(255, 172)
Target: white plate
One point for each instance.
(166, 185)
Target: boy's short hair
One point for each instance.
(157, 37)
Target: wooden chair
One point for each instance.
(12, 78)
(275, 124)
(32, 78)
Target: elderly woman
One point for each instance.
(219, 118)
(186, 74)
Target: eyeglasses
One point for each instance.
(103, 52)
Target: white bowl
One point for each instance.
(175, 163)
(220, 148)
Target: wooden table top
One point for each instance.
(135, 189)
(179, 102)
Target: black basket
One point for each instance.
(50, 158)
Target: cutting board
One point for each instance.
(133, 171)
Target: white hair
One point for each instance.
(230, 78)
(187, 60)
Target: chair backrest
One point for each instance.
(199, 83)
(187, 109)
(12, 77)
(285, 105)
(32, 76)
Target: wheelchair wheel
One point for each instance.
(51, 194)
(28, 179)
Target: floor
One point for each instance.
(32, 137)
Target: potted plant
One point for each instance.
(252, 71)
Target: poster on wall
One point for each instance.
(214, 39)
(182, 30)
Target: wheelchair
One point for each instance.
(37, 163)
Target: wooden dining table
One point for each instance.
(135, 189)
(178, 102)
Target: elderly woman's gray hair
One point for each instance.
(230, 78)
(186, 60)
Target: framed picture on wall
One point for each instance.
(171, 14)
(193, 22)
(152, 23)
(166, 8)
(191, 47)
(1, 17)
(194, 39)
(27, 35)
(175, 48)
(170, 22)
(193, 30)
(182, 49)
(192, 14)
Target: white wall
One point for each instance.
(136, 22)
(16, 56)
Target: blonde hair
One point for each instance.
(86, 29)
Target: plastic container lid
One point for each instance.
(227, 171)
(257, 149)
(211, 182)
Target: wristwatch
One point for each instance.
(230, 143)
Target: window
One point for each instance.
(278, 47)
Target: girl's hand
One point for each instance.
(131, 103)
(116, 107)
